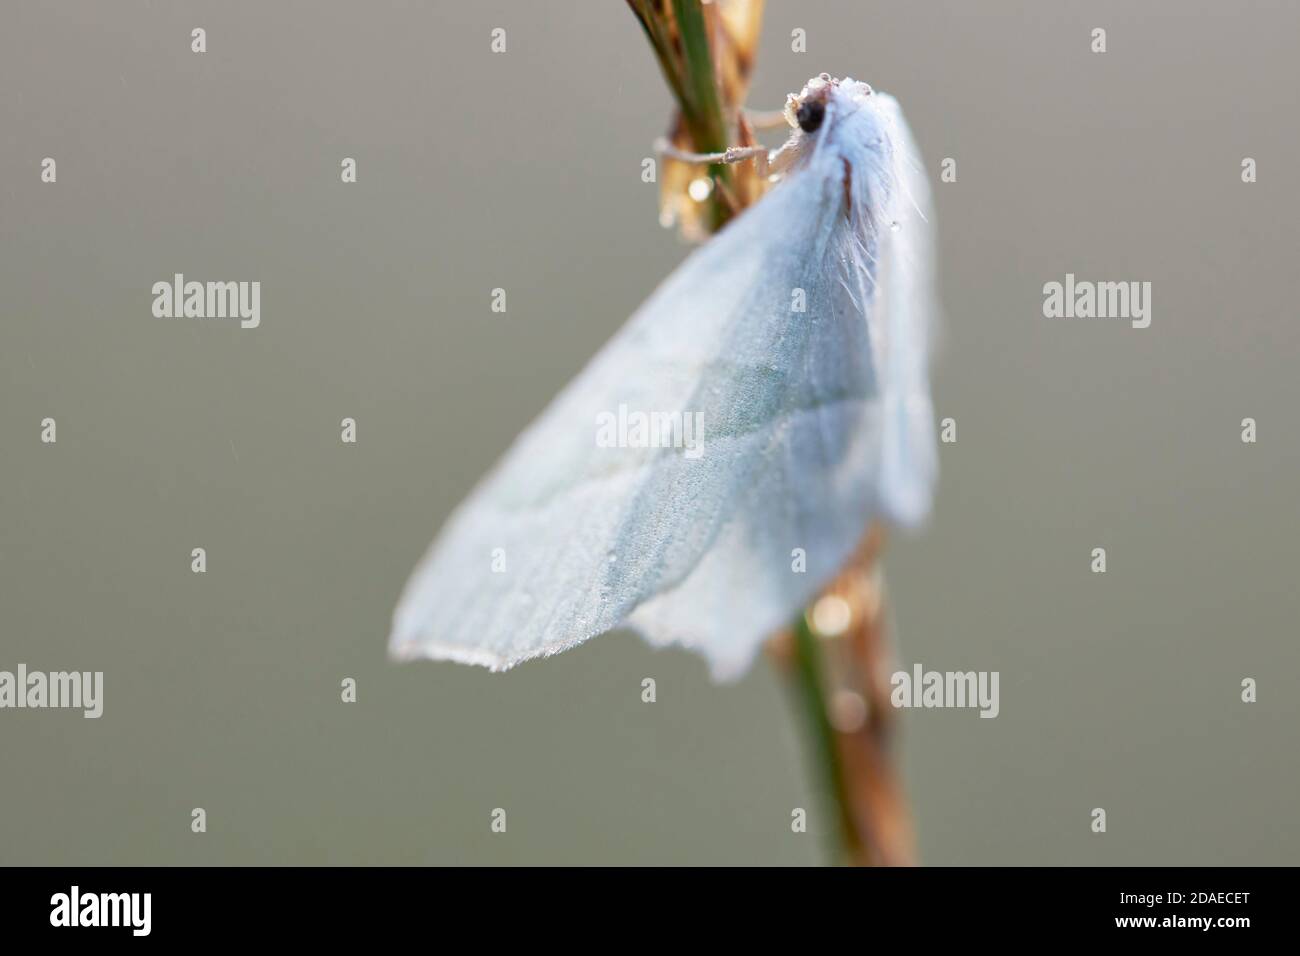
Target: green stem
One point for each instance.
(704, 117)
(812, 695)
(704, 113)
(689, 73)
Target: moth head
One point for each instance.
(847, 134)
(822, 96)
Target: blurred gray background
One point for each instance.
(522, 170)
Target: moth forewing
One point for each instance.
(719, 550)
(909, 305)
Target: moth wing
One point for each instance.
(698, 550)
(909, 311)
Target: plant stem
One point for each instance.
(856, 767)
(808, 684)
(686, 61)
(704, 109)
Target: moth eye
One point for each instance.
(810, 115)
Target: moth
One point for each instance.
(796, 344)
